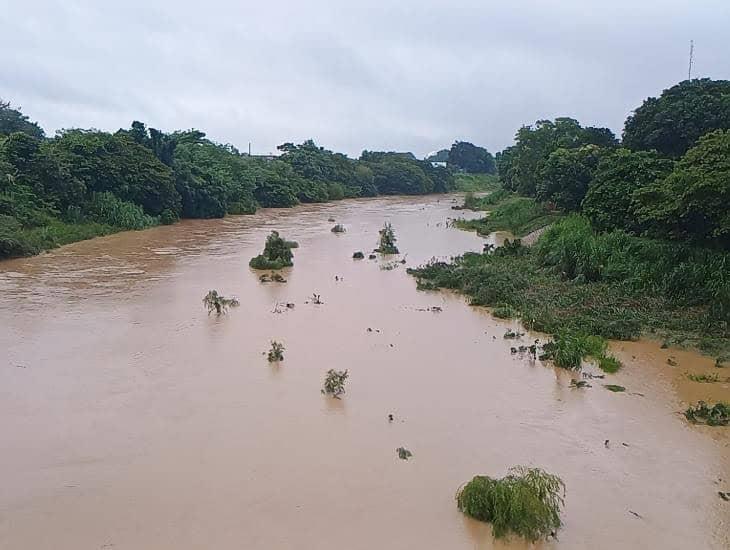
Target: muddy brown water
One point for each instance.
(130, 419)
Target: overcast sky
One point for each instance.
(375, 74)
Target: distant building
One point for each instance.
(438, 164)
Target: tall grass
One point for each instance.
(519, 215)
(107, 208)
(527, 502)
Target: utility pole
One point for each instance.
(249, 148)
(691, 55)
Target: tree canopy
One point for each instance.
(470, 158)
(673, 122)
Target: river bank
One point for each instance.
(139, 421)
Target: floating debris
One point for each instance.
(579, 383)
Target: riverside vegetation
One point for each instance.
(83, 183)
(640, 236)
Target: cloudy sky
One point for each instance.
(394, 75)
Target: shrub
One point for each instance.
(276, 353)
(358, 255)
(527, 502)
(339, 228)
(334, 383)
(505, 312)
(702, 413)
(108, 209)
(220, 304)
(387, 240)
(168, 217)
(277, 253)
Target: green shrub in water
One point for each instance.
(527, 502)
(220, 304)
(702, 413)
(277, 253)
(387, 240)
(276, 353)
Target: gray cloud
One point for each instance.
(368, 75)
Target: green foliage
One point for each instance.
(220, 304)
(527, 502)
(334, 382)
(610, 202)
(277, 253)
(568, 350)
(614, 388)
(563, 178)
(106, 208)
(387, 240)
(612, 285)
(519, 215)
(692, 202)
(12, 120)
(519, 165)
(471, 159)
(505, 311)
(707, 378)
(472, 183)
(715, 415)
(276, 353)
(673, 122)
(358, 255)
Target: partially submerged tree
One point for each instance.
(527, 502)
(277, 253)
(276, 353)
(339, 228)
(334, 383)
(220, 304)
(387, 240)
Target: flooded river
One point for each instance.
(130, 419)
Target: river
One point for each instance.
(131, 419)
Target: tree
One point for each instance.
(12, 120)
(277, 253)
(520, 163)
(692, 202)
(116, 163)
(609, 203)
(673, 122)
(563, 178)
(471, 159)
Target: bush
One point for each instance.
(277, 253)
(220, 304)
(527, 502)
(168, 217)
(387, 240)
(339, 228)
(106, 208)
(276, 353)
(334, 383)
(702, 413)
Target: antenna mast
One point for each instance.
(691, 55)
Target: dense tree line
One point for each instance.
(669, 178)
(50, 188)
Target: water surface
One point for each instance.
(133, 420)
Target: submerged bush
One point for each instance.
(527, 502)
(338, 228)
(334, 383)
(276, 353)
(702, 413)
(277, 253)
(387, 240)
(220, 304)
(568, 350)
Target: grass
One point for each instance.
(476, 182)
(518, 215)
(715, 415)
(707, 378)
(526, 502)
(615, 286)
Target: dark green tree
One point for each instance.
(692, 202)
(470, 158)
(13, 120)
(673, 122)
(609, 203)
(563, 178)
